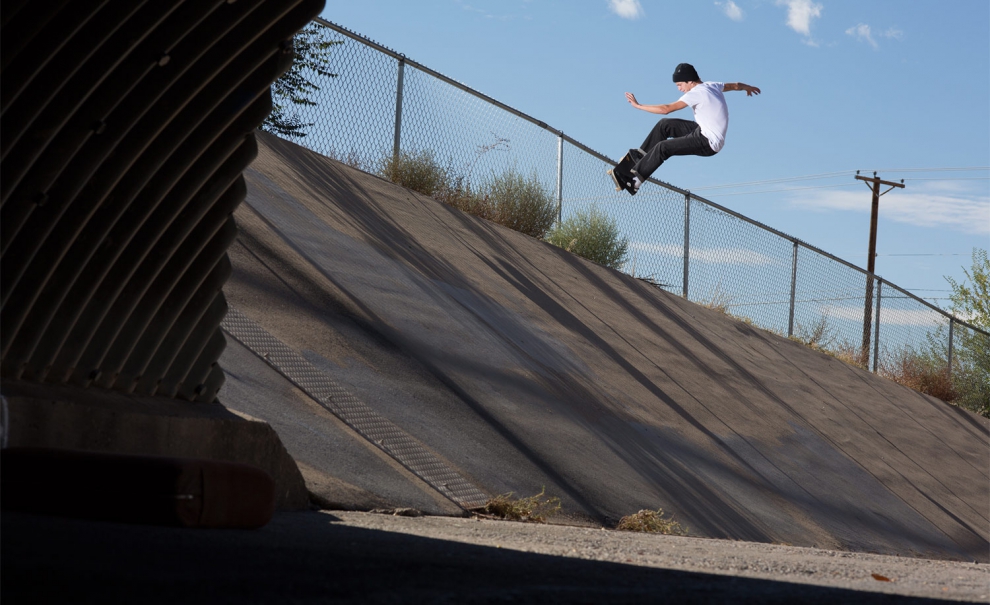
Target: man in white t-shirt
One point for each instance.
(705, 136)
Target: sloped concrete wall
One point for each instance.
(525, 367)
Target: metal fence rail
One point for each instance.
(381, 103)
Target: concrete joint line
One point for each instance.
(368, 423)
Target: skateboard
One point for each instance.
(622, 173)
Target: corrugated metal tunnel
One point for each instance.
(126, 127)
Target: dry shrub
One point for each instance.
(854, 355)
(536, 509)
(921, 373)
(651, 521)
(822, 337)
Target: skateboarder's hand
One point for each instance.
(751, 90)
(632, 99)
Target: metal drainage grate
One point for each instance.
(368, 423)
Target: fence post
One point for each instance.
(790, 317)
(560, 176)
(687, 239)
(876, 332)
(951, 324)
(398, 108)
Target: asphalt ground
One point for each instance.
(525, 367)
(348, 557)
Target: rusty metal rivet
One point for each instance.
(164, 59)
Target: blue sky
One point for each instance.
(899, 86)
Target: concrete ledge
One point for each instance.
(41, 415)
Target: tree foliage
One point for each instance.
(971, 299)
(312, 48)
(971, 353)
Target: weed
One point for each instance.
(536, 508)
(719, 301)
(592, 235)
(651, 521)
(819, 335)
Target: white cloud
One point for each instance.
(721, 256)
(893, 32)
(627, 9)
(862, 32)
(731, 10)
(890, 316)
(800, 14)
(937, 206)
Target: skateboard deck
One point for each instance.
(622, 174)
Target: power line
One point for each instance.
(969, 169)
(778, 190)
(809, 177)
(968, 178)
(827, 175)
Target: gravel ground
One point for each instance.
(855, 571)
(314, 557)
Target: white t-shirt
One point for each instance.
(710, 111)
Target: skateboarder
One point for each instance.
(704, 136)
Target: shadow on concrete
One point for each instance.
(307, 558)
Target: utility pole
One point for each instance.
(872, 255)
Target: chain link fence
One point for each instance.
(380, 103)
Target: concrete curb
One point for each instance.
(51, 416)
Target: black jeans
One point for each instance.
(668, 138)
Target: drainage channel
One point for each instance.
(371, 425)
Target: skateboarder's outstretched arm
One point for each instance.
(660, 109)
(750, 90)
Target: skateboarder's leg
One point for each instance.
(691, 142)
(667, 128)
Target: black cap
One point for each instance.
(685, 73)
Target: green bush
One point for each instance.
(509, 199)
(519, 203)
(592, 235)
(418, 171)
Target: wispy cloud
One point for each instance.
(627, 9)
(893, 33)
(800, 14)
(485, 13)
(862, 32)
(731, 10)
(937, 206)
